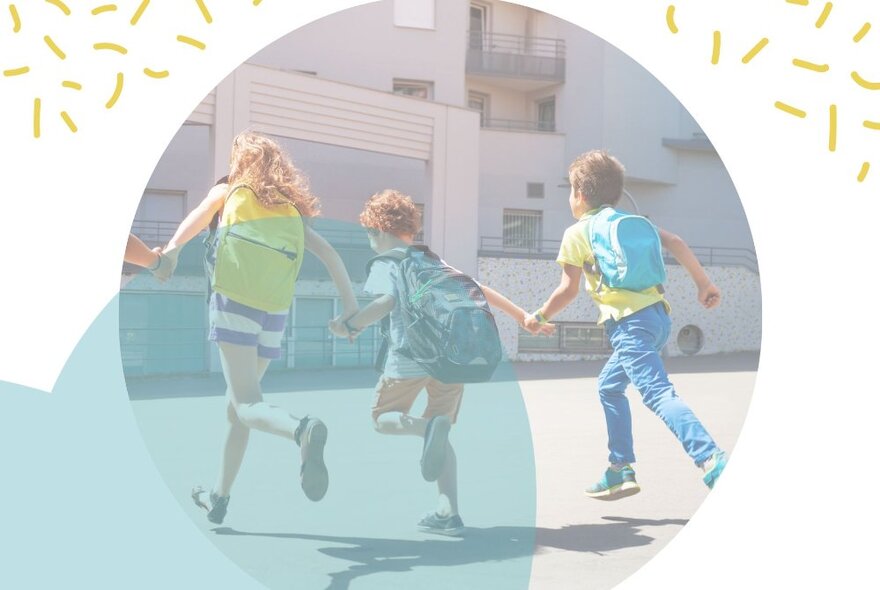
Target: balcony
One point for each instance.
(517, 125)
(528, 63)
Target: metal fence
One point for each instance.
(496, 54)
(519, 125)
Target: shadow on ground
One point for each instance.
(372, 556)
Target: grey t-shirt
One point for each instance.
(383, 281)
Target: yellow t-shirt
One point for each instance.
(612, 303)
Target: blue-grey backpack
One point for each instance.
(626, 249)
(450, 331)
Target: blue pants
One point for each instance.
(637, 340)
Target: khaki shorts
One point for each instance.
(399, 395)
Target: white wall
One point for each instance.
(186, 164)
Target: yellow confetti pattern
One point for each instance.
(832, 128)
(55, 49)
(70, 124)
(111, 47)
(755, 50)
(824, 16)
(60, 5)
(73, 85)
(105, 8)
(116, 92)
(670, 18)
(811, 66)
(872, 125)
(16, 21)
(205, 14)
(37, 108)
(790, 110)
(139, 12)
(155, 74)
(864, 83)
(257, 2)
(799, 2)
(862, 32)
(716, 47)
(17, 71)
(191, 41)
(863, 173)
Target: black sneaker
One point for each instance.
(434, 447)
(217, 508)
(311, 436)
(451, 526)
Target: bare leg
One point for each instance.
(447, 485)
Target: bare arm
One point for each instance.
(565, 293)
(199, 218)
(707, 293)
(372, 312)
(330, 258)
(136, 252)
(501, 302)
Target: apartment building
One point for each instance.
(475, 109)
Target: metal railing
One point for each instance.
(496, 54)
(518, 125)
(154, 233)
(491, 246)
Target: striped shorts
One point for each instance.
(236, 323)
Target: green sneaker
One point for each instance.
(451, 526)
(713, 467)
(615, 485)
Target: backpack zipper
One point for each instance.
(290, 255)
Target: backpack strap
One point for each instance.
(393, 255)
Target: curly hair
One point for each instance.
(392, 212)
(260, 163)
(598, 176)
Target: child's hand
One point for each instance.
(337, 327)
(545, 329)
(531, 325)
(167, 263)
(709, 296)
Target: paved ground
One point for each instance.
(362, 534)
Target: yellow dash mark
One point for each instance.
(191, 41)
(670, 18)
(824, 16)
(864, 83)
(104, 8)
(755, 50)
(139, 12)
(60, 5)
(74, 85)
(832, 133)
(116, 92)
(810, 66)
(37, 105)
(716, 47)
(154, 74)
(862, 32)
(799, 2)
(55, 49)
(257, 2)
(872, 125)
(16, 22)
(17, 71)
(790, 110)
(70, 124)
(112, 47)
(863, 173)
(205, 12)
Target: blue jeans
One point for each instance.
(637, 340)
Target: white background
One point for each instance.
(797, 506)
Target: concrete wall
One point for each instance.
(733, 327)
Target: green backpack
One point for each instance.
(258, 251)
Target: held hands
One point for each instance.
(531, 324)
(167, 263)
(337, 328)
(709, 295)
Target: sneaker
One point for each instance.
(615, 485)
(311, 436)
(434, 447)
(713, 467)
(451, 526)
(217, 508)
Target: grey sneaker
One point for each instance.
(215, 505)
(311, 436)
(434, 447)
(451, 526)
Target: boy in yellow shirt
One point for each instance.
(637, 324)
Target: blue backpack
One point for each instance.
(627, 251)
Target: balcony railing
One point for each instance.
(496, 54)
(517, 125)
(154, 233)
(548, 249)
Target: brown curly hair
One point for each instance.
(392, 212)
(260, 163)
(598, 176)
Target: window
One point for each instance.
(522, 229)
(570, 338)
(535, 190)
(547, 114)
(414, 88)
(418, 14)
(477, 28)
(480, 102)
